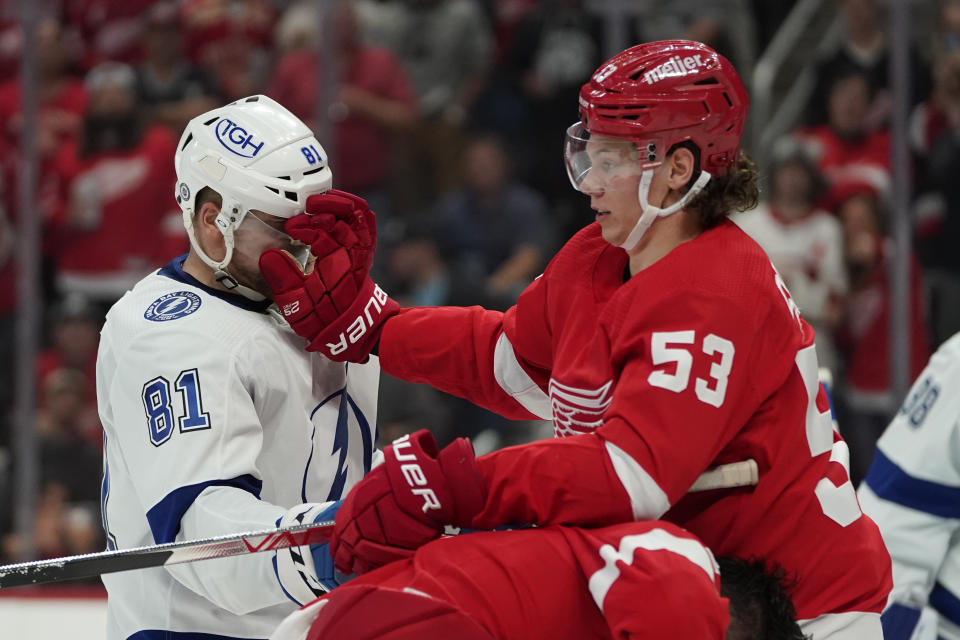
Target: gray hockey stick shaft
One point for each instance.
(727, 476)
(90, 565)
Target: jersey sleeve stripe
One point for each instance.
(514, 380)
(647, 500)
(899, 621)
(892, 483)
(850, 625)
(158, 634)
(946, 603)
(654, 540)
(164, 517)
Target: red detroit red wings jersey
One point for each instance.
(700, 359)
(638, 580)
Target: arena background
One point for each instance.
(433, 110)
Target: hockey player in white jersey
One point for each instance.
(216, 420)
(912, 491)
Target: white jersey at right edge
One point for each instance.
(216, 421)
(912, 491)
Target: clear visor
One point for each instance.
(597, 163)
(259, 231)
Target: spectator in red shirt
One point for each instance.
(110, 29)
(376, 98)
(446, 48)
(116, 218)
(232, 40)
(866, 402)
(936, 211)
(851, 156)
(864, 49)
(62, 103)
(62, 98)
(940, 113)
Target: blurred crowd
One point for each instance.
(448, 118)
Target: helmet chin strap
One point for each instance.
(220, 268)
(651, 213)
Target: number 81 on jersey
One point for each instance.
(157, 404)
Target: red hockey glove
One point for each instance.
(336, 307)
(406, 502)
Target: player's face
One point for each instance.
(612, 182)
(258, 232)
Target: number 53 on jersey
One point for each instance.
(674, 351)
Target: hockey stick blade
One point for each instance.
(90, 565)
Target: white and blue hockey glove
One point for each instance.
(306, 572)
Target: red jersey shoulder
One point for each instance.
(726, 261)
(721, 269)
(719, 284)
(589, 261)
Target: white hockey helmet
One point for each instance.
(257, 156)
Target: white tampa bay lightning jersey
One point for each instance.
(912, 491)
(216, 421)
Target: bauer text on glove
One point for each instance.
(406, 502)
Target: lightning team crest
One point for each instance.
(171, 306)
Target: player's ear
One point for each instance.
(207, 232)
(680, 165)
(208, 214)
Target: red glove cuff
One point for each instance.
(356, 332)
(459, 465)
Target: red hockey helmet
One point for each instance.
(661, 93)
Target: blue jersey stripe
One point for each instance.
(899, 622)
(365, 435)
(946, 603)
(306, 470)
(892, 483)
(164, 517)
(154, 634)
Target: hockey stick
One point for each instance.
(745, 473)
(89, 565)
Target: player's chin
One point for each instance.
(611, 232)
(260, 285)
(253, 279)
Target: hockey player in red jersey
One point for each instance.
(637, 581)
(660, 340)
